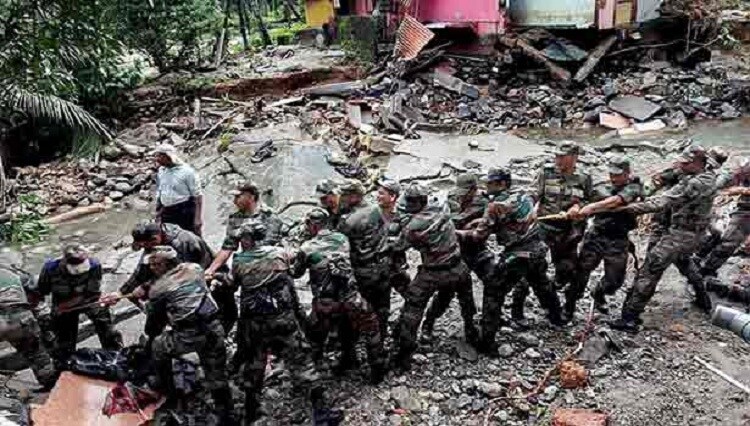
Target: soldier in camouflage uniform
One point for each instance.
(443, 273)
(607, 240)
(733, 183)
(690, 202)
(180, 298)
(74, 280)
(366, 227)
(510, 216)
(562, 188)
(664, 179)
(351, 198)
(336, 302)
(328, 196)
(268, 313)
(19, 327)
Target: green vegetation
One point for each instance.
(26, 226)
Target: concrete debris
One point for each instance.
(634, 107)
(579, 417)
(613, 120)
(335, 89)
(572, 375)
(447, 81)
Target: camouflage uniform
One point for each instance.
(690, 202)
(336, 302)
(431, 232)
(268, 317)
(181, 299)
(69, 291)
(556, 193)
(19, 327)
(607, 240)
(738, 227)
(375, 272)
(666, 178)
(190, 248)
(509, 217)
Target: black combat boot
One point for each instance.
(702, 298)
(471, 333)
(628, 322)
(377, 373)
(224, 405)
(517, 316)
(347, 361)
(600, 300)
(402, 361)
(487, 346)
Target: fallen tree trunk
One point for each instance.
(557, 72)
(76, 213)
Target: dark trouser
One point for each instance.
(734, 235)
(596, 248)
(224, 297)
(352, 322)
(676, 247)
(447, 283)
(563, 247)
(66, 330)
(264, 334)
(182, 215)
(527, 261)
(19, 328)
(374, 283)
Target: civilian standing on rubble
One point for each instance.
(179, 195)
(562, 188)
(269, 316)
(19, 327)
(337, 305)
(366, 227)
(510, 216)
(443, 273)
(690, 202)
(190, 248)
(607, 239)
(179, 297)
(74, 281)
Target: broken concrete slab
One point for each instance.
(335, 89)
(613, 120)
(296, 100)
(455, 84)
(579, 417)
(650, 126)
(634, 107)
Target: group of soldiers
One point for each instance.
(355, 254)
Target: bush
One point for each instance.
(26, 226)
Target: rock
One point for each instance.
(70, 189)
(463, 111)
(466, 351)
(701, 101)
(677, 120)
(649, 126)
(592, 116)
(505, 350)
(123, 187)
(84, 202)
(478, 405)
(111, 152)
(419, 359)
(609, 89)
(501, 416)
(655, 98)
(613, 120)
(729, 112)
(596, 102)
(579, 417)
(528, 339)
(115, 195)
(532, 353)
(634, 107)
(403, 398)
(550, 393)
(464, 401)
(144, 195)
(493, 390)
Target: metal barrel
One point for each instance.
(731, 319)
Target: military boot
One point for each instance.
(377, 373)
(402, 361)
(628, 322)
(252, 409)
(471, 333)
(224, 405)
(568, 311)
(600, 300)
(702, 298)
(517, 315)
(487, 346)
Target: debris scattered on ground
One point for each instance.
(579, 417)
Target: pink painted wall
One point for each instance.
(362, 7)
(486, 16)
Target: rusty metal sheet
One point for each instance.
(411, 38)
(77, 401)
(553, 13)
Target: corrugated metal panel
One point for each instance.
(411, 38)
(553, 13)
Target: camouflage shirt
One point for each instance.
(690, 202)
(56, 280)
(666, 178)
(616, 224)
(557, 193)
(431, 232)
(182, 293)
(463, 215)
(263, 214)
(510, 219)
(264, 275)
(327, 257)
(13, 283)
(366, 228)
(729, 179)
(189, 247)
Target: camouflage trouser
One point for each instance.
(374, 283)
(595, 249)
(527, 261)
(19, 327)
(204, 337)
(447, 283)
(264, 334)
(734, 235)
(563, 247)
(659, 227)
(66, 331)
(481, 261)
(352, 322)
(676, 247)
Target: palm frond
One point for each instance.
(52, 108)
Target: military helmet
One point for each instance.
(416, 190)
(465, 183)
(162, 253)
(618, 164)
(317, 216)
(352, 186)
(568, 148)
(499, 174)
(390, 185)
(254, 229)
(326, 187)
(692, 153)
(145, 231)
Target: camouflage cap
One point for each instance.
(618, 164)
(145, 231)
(416, 190)
(162, 253)
(498, 174)
(326, 187)
(75, 251)
(568, 148)
(317, 216)
(254, 229)
(692, 153)
(352, 186)
(465, 183)
(390, 185)
(246, 186)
